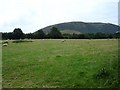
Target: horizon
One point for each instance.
(39, 14)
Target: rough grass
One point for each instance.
(53, 63)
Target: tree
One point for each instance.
(81, 36)
(67, 36)
(10, 35)
(55, 33)
(18, 34)
(100, 35)
(75, 36)
(39, 34)
(29, 36)
(117, 34)
(4, 36)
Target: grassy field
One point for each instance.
(53, 63)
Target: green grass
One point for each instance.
(53, 63)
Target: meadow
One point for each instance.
(55, 63)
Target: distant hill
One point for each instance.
(82, 27)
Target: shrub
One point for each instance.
(20, 41)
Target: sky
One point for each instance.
(32, 15)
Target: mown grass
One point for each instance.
(57, 64)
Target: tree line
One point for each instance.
(56, 34)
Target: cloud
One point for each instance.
(31, 15)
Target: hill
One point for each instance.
(82, 27)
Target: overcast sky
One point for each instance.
(31, 15)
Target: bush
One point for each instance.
(20, 41)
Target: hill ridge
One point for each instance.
(83, 27)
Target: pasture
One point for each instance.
(57, 64)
